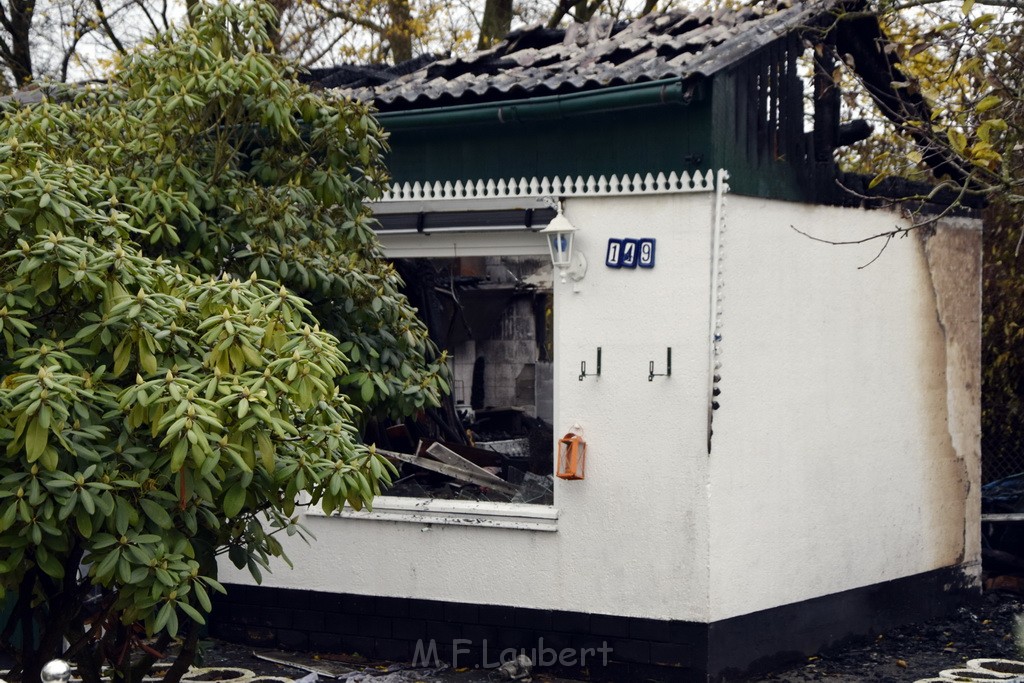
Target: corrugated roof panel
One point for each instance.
(540, 61)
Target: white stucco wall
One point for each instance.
(833, 465)
(632, 538)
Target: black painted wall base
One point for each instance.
(600, 647)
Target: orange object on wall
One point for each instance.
(572, 455)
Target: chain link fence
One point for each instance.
(1002, 454)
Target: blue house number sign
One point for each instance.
(630, 253)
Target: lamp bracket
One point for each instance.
(576, 270)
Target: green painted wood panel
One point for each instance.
(728, 127)
(667, 138)
(756, 168)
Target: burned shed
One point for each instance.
(765, 448)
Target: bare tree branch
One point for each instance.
(145, 10)
(102, 16)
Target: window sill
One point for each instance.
(455, 512)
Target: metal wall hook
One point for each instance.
(651, 374)
(583, 366)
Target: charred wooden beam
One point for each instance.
(852, 132)
(863, 45)
(826, 102)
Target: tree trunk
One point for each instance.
(144, 666)
(827, 104)
(274, 26)
(20, 59)
(585, 11)
(561, 10)
(496, 23)
(187, 655)
(399, 34)
(86, 656)
(63, 606)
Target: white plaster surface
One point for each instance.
(632, 538)
(832, 465)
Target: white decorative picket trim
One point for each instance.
(700, 181)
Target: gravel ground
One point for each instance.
(985, 630)
(339, 667)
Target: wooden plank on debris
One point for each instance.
(445, 454)
(453, 471)
(1003, 517)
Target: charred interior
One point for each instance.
(492, 440)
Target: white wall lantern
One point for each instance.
(559, 235)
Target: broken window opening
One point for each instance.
(492, 440)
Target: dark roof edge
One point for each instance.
(719, 58)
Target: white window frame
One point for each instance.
(447, 244)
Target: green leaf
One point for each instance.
(191, 612)
(10, 514)
(122, 355)
(84, 523)
(957, 140)
(172, 623)
(156, 513)
(124, 570)
(87, 501)
(49, 459)
(49, 564)
(238, 556)
(234, 499)
(215, 585)
(178, 455)
(202, 596)
(105, 568)
(35, 440)
(146, 359)
(254, 570)
(267, 450)
(162, 617)
(121, 516)
(988, 103)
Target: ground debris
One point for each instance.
(920, 651)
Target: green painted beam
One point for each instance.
(653, 93)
